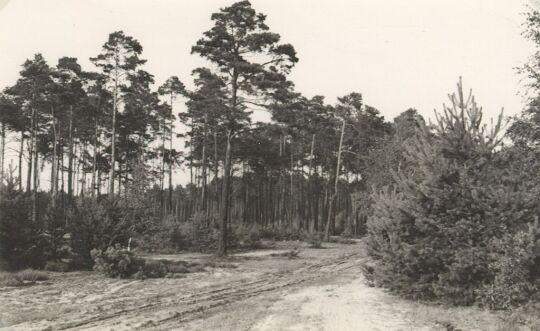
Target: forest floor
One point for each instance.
(264, 290)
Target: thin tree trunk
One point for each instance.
(30, 156)
(70, 154)
(98, 183)
(94, 159)
(216, 169)
(203, 189)
(113, 133)
(170, 156)
(83, 175)
(21, 151)
(292, 187)
(222, 248)
(63, 172)
(53, 163)
(191, 154)
(2, 152)
(162, 171)
(333, 197)
(58, 167)
(36, 168)
(76, 150)
(310, 184)
(281, 187)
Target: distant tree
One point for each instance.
(206, 110)
(119, 58)
(252, 65)
(135, 125)
(171, 89)
(31, 90)
(70, 97)
(9, 120)
(97, 109)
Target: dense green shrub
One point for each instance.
(431, 235)
(106, 222)
(516, 269)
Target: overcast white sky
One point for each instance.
(398, 54)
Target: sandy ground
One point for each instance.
(322, 289)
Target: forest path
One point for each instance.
(322, 289)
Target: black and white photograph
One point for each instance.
(270, 165)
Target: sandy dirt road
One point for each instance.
(322, 289)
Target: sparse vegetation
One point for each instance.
(24, 277)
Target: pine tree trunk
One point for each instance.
(191, 154)
(162, 170)
(216, 169)
(53, 163)
(281, 188)
(291, 221)
(58, 167)
(333, 197)
(94, 159)
(2, 152)
(21, 151)
(310, 186)
(222, 248)
(170, 157)
(76, 169)
(30, 155)
(63, 172)
(203, 188)
(113, 134)
(83, 175)
(70, 154)
(36, 168)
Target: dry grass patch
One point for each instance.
(24, 277)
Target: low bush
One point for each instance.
(116, 262)
(249, 237)
(32, 275)
(100, 224)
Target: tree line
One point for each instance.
(102, 132)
